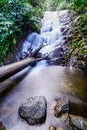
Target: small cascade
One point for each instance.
(51, 27)
(50, 39)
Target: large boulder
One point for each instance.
(2, 127)
(36, 41)
(61, 107)
(33, 110)
(78, 122)
(25, 49)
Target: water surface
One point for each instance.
(51, 82)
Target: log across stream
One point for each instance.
(43, 80)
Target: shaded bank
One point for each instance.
(77, 55)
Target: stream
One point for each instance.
(51, 81)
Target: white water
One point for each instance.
(50, 36)
(50, 31)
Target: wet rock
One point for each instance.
(56, 56)
(33, 110)
(63, 28)
(81, 64)
(56, 53)
(69, 38)
(25, 50)
(62, 106)
(78, 123)
(65, 118)
(36, 41)
(2, 127)
(60, 128)
(52, 128)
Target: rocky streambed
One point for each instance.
(64, 101)
(34, 111)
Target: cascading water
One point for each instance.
(49, 38)
(43, 80)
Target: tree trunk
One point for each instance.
(11, 69)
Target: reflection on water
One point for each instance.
(50, 82)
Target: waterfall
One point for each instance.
(50, 38)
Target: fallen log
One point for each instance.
(11, 69)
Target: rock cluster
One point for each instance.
(34, 111)
(61, 110)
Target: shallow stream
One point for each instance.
(49, 81)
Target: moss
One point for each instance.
(79, 40)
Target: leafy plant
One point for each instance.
(16, 18)
(78, 4)
(58, 4)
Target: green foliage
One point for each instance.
(66, 4)
(16, 18)
(38, 3)
(79, 41)
(58, 4)
(79, 4)
(35, 2)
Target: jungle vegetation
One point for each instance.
(78, 12)
(18, 17)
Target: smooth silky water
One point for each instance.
(49, 81)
